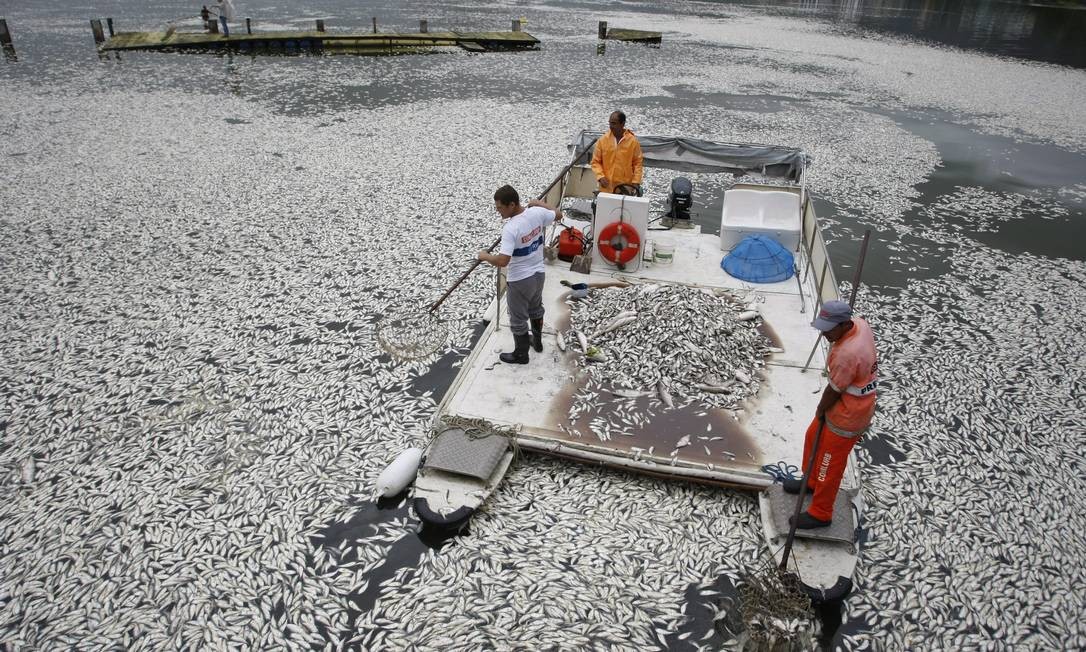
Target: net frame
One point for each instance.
(412, 337)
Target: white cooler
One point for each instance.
(775, 213)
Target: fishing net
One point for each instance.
(775, 611)
(413, 336)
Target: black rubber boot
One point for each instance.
(808, 522)
(537, 335)
(520, 350)
(793, 485)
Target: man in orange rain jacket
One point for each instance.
(847, 405)
(617, 158)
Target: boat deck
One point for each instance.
(537, 397)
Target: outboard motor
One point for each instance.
(681, 199)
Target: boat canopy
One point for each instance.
(693, 155)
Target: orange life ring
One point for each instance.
(619, 242)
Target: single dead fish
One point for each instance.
(615, 325)
(714, 389)
(665, 394)
(682, 443)
(630, 393)
(583, 341)
(560, 341)
(29, 470)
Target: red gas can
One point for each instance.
(570, 244)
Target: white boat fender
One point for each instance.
(399, 473)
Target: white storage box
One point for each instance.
(775, 213)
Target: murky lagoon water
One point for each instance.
(195, 248)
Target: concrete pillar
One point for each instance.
(516, 25)
(320, 24)
(423, 27)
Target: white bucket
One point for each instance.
(663, 254)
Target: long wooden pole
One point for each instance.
(561, 175)
(859, 269)
(802, 494)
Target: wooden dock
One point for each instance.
(634, 36)
(319, 41)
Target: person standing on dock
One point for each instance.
(617, 159)
(845, 411)
(225, 9)
(205, 15)
(521, 253)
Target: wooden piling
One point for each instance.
(375, 24)
(516, 25)
(213, 26)
(5, 35)
(96, 27)
(109, 26)
(248, 26)
(320, 24)
(603, 29)
(423, 27)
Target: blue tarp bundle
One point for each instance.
(759, 259)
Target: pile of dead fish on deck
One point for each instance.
(679, 344)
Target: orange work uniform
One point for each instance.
(853, 370)
(619, 161)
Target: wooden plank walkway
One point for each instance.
(279, 42)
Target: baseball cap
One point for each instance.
(832, 313)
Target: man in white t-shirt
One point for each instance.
(521, 253)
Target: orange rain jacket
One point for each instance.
(621, 162)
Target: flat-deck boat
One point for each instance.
(749, 441)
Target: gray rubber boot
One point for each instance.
(520, 350)
(537, 335)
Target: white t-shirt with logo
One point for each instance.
(522, 241)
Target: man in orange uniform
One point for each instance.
(847, 405)
(617, 158)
